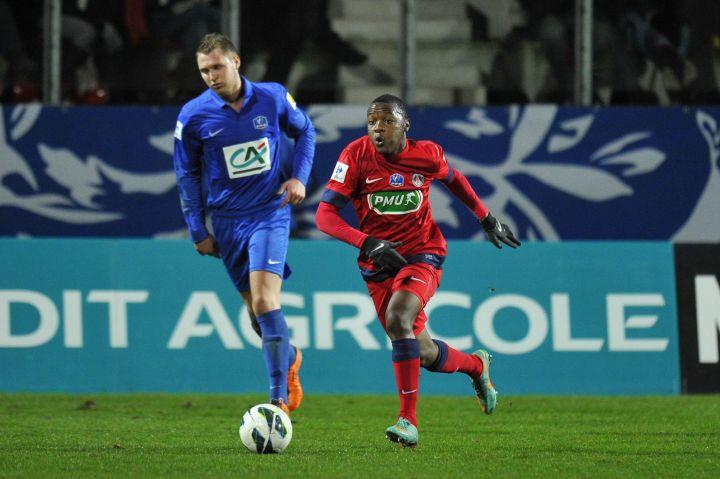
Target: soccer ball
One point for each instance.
(265, 429)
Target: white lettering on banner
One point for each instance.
(483, 323)
(707, 307)
(562, 338)
(47, 325)
(72, 318)
(298, 325)
(188, 325)
(618, 323)
(117, 305)
(204, 314)
(356, 325)
(446, 298)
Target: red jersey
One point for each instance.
(391, 198)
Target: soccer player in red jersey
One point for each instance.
(387, 176)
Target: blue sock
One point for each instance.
(275, 349)
(439, 362)
(404, 349)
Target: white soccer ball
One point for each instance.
(265, 429)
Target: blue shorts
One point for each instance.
(253, 244)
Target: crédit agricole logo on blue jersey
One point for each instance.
(247, 159)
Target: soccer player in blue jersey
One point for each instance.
(227, 162)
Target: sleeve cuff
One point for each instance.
(199, 235)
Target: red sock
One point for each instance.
(406, 361)
(407, 378)
(451, 360)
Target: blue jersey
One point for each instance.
(229, 163)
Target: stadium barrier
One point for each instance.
(95, 315)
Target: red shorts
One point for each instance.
(420, 279)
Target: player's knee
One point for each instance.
(398, 325)
(262, 305)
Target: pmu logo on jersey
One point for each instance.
(260, 122)
(396, 179)
(247, 159)
(395, 202)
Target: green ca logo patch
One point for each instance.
(251, 156)
(246, 159)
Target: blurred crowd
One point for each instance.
(142, 51)
(645, 52)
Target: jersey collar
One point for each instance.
(247, 90)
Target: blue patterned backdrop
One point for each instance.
(552, 173)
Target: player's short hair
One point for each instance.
(211, 41)
(392, 100)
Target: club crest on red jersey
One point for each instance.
(418, 180)
(396, 179)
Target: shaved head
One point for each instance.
(392, 100)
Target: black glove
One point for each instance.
(383, 253)
(498, 232)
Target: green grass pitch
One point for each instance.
(196, 435)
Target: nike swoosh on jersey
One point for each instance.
(213, 133)
(418, 279)
(368, 180)
(271, 261)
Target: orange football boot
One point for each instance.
(295, 391)
(281, 404)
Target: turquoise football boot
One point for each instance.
(486, 393)
(403, 432)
